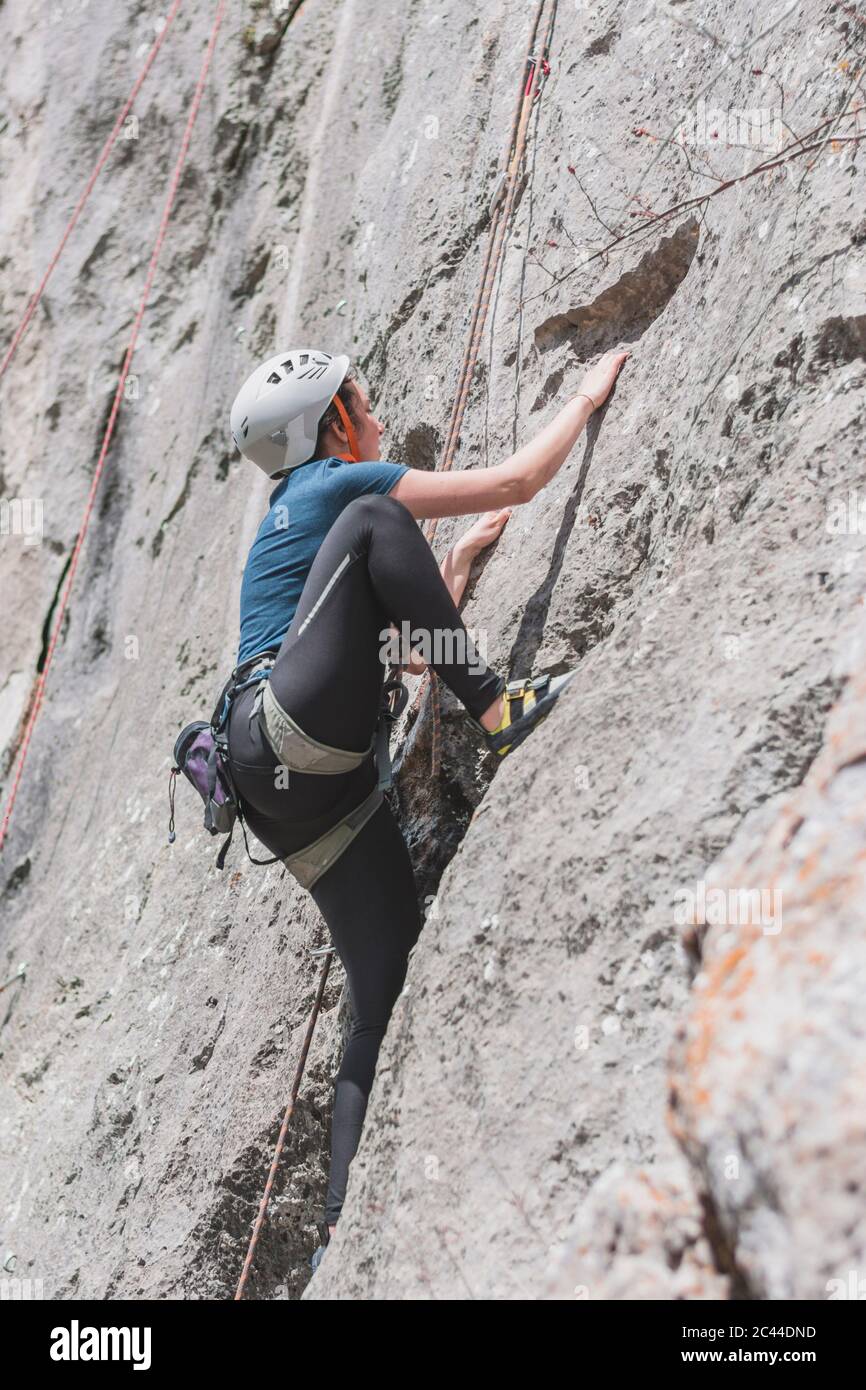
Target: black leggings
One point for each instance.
(373, 568)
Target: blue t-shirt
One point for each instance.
(302, 509)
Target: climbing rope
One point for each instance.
(109, 429)
(327, 953)
(526, 239)
(88, 188)
(533, 74)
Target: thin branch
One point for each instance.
(733, 54)
(785, 156)
(597, 215)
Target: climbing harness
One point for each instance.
(308, 865)
(299, 752)
(201, 753)
(296, 750)
(535, 71)
(326, 955)
(63, 601)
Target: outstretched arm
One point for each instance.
(520, 477)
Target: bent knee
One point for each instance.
(374, 507)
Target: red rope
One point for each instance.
(537, 71)
(109, 429)
(327, 956)
(88, 188)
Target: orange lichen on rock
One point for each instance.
(720, 971)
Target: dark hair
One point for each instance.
(351, 400)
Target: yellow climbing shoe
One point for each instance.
(525, 703)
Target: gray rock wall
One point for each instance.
(691, 557)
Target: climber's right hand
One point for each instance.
(484, 532)
(598, 382)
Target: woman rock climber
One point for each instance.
(338, 561)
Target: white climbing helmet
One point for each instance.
(275, 416)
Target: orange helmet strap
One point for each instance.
(350, 430)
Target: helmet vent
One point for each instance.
(288, 366)
(244, 426)
(303, 359)
(274, 379)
